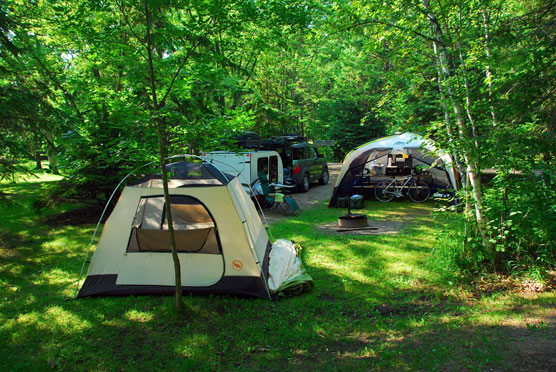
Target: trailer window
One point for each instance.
(262, 165)
(273, 169)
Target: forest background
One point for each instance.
(91, 83)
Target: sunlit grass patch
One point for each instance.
(376, 304)
(64, 321)
(139, 316)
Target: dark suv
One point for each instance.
(302, 162)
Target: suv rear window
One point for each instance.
(299, 153)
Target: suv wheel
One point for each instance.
(325, 177)
(304, 187)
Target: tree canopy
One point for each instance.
(478, 77)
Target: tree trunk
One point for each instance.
(449, 129)
(487, 69)
(51, 153)
(469, 154)
(38, 160)
(163, 147)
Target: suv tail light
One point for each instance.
(296, 169)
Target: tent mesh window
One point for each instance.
(194, 228)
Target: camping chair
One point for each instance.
(268, 195)
(289, 206)
(274, 199)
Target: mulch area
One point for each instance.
(500, 283)
(76, 217)
(381, 228)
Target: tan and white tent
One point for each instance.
(222, 244)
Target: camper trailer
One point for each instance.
(247, 165)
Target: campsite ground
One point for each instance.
(380, 302)
(317, 194)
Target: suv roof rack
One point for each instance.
(288, 138)
(252, 141)
(247, 140)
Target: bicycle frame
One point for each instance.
(416, 191)
(398, 187)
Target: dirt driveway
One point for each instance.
(316, 194)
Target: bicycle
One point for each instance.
(417, 191)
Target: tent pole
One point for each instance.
(252, 193)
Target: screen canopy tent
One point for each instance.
(222, 244)
(394, 156)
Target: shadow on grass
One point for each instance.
(373, 307)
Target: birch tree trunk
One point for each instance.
(488, 73)
(449, 128)
(469, 140)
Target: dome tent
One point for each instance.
(373, 158)
(222, 244)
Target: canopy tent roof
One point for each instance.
(422, 150)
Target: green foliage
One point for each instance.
(457, 257)
(349, 126)
(524, 221)
(12, 171)
(74, 84)
(99, 156)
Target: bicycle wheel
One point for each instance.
(418, 191)
(384, 191)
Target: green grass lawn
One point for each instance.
(378, 304)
